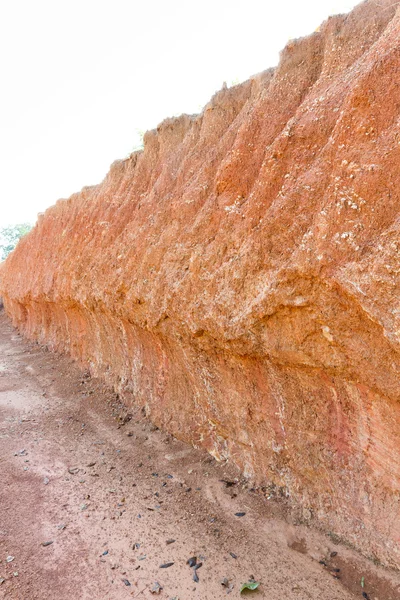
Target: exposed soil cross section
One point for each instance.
(238, 279)
(94, 500)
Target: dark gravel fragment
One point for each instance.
(228, 483)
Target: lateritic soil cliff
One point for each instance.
(239, 278)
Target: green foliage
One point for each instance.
(9, 237)
(249, 585)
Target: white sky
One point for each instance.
(80, 78)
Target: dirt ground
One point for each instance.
(92, 496)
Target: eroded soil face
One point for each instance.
(109, 491)
(239, 278)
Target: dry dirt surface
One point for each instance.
(97, 503)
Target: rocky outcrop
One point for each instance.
(239, 277)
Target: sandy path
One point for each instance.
(109, 495)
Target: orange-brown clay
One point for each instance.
(239, 278)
